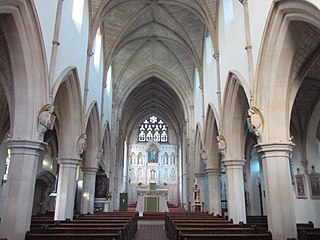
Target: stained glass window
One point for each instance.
(153, 129)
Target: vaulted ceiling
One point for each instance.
(154, 39)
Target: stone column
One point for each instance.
(88, 189)
(278, 187)
(66, 188)
(235, 190)
(24, 160)
(214, 190)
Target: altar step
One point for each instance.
(175, 208)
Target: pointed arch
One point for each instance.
(106, 146)
(92, 126)
(234, 115)
(21, 28)
(209, 139)
(278, 78)
(198, 146)
(68, 108)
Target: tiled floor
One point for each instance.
(150, 230)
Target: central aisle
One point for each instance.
(150, 230)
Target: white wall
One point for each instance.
(209, 76)
(232, 43)
(257, 20)
(108, 96)
(73, 40)
(47, 23)
(308, 209)
(197, 100)
(96, 76)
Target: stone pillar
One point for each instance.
(235, 190)
(278, 187)
(88, 189)
(214, 190)
(24, 160)
(66, 188)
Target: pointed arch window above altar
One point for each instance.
(153, 129)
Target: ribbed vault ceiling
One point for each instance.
(152, 97)
(142, 37)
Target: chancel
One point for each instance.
(189, 112)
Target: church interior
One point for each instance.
(210, 106)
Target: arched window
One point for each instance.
(172, 159)
(153, 129)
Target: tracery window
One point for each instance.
(153, 129)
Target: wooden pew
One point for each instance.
(257, 236)
(308, 233)
(192, 218)
(112, 223)
(305, 225)
(221, 230)
(73, 236)
(173, 234)
(260, 222)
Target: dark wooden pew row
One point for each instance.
(127, 231)
(308, 233)
(256, 236)
(214, 230)
(73, 236)
(173, 233)
(112, 224)
(260, 222)
(172, 219)
(305, 225)
(311, 236)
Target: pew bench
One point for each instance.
(308, 233)
(257, 236)
(211, 231)
(73, 236)
(172, 232)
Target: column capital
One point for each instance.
(216, 56)
(274, 149)
(200, 174)
(213, 171)
(244, 2)
(68, 161)
(234, 163)
(24, 146)
(89, 169)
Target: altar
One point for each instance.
(152, 200)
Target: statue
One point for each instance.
(46, 118)
(196, 193)
(99, 157)
(222, 144)
(203, 155)
(82, 144)
(99, 154)
(255, 121)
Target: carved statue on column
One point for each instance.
(222, 144)
(46, 118)
(255, 121)
(203, 155)
(82, 144)
(99, 157)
